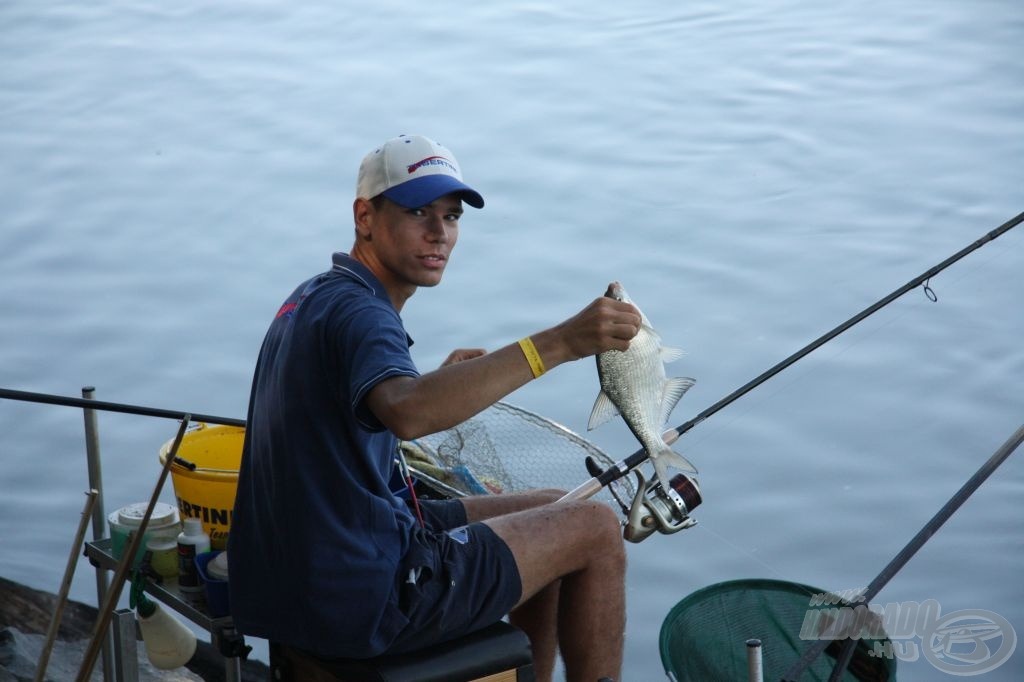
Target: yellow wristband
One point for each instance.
(532, 356)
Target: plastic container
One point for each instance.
(208, 492)
(214, 575)
(192, 542)
(163, 556)
(163, 524)
(169, 644)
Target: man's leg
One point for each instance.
(538, 616)
(577, 546)
(481, 507)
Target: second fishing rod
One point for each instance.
(623, 467)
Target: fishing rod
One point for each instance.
(600, 478)
(900, 560)
(621, 468)
(90, 404)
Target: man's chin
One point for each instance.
(430, 279)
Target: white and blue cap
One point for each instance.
(413, 171)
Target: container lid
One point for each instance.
(218, 566)
(163, 514)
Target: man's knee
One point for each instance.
(602, 524)
(608, 519)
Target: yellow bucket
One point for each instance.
(208, 492)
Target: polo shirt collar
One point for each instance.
(345, 265)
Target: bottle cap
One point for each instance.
(193, 526)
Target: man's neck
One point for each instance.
(398, 293)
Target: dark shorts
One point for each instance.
(464, 577)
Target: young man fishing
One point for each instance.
(324, 556)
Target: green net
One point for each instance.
(704, 636)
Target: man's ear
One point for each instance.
(363, 214)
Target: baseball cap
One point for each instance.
(413, 171)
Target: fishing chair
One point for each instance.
(498, 653)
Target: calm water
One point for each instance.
(753, 172)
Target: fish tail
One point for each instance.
(666, 457)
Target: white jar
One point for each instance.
(192, 542)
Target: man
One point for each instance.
(324, 556)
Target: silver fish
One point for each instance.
(633, 384)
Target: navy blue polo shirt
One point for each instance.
(317, 536)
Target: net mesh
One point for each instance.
(507, 449)
(704, 635)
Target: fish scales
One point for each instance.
(635, 386)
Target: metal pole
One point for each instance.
(126, 645)
(99, 517)
(755, 669)
(65, 587)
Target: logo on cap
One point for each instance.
(432, 161)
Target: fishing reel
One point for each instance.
(655, 509)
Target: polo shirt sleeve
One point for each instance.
(371, 346)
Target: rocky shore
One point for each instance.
(25, 615)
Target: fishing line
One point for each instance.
(745, 552)
(799, 377)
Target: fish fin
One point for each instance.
(604, 409)
(670, 354)
(669, 458)
(671, 393)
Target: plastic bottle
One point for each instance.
(169, 644)
(192, 541)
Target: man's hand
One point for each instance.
(605, 324)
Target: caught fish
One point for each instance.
(633, 384)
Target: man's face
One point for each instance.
(413, 244)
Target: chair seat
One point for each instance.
(498, 653)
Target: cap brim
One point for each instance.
(429, 188)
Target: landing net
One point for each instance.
(704, 636)
(506, 449)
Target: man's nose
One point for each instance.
(437, 229)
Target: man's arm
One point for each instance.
(411, 407)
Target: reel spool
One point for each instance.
(653, 508)
(657, 509)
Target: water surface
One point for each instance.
(753, 172)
